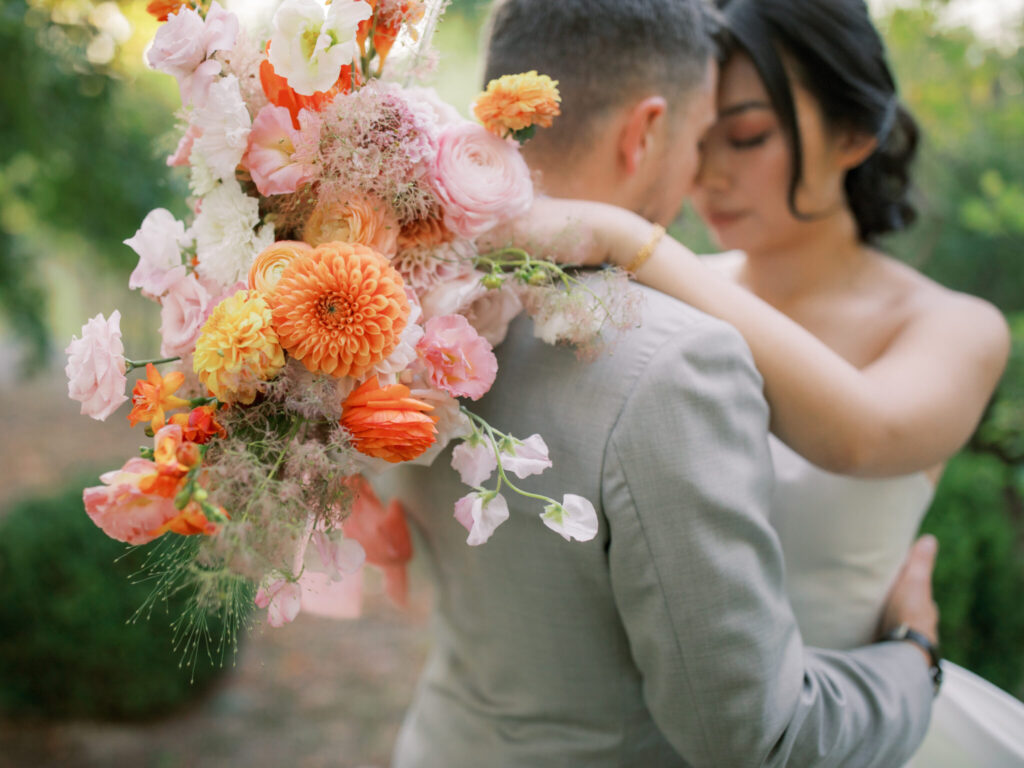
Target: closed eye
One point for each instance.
(750, 143)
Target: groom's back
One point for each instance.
(532, 664)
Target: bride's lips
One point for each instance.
(722, 219)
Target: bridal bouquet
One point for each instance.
(326, 306)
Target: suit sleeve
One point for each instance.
(697, 574)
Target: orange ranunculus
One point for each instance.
(266, 270)
(387, 26)
(199, 425)
(280, 94)
(388, 423)
(355, 220)
(340, 309)
(517, 102)
(161, 9)
(153, 395)
(425, 233)
(190, 522)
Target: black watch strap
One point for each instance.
(904, 632)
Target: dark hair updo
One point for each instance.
(839, 58)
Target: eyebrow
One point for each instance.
(743, 106)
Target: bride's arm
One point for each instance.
(911, 409)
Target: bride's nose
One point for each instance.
(713, 173)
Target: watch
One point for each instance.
(904, 632)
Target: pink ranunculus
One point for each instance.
(480, 179)
(574, 518)
(528, 457)
(158, 243)
(124, 512)
(269, 154)
(474, 460)
(459, 359)
(492, 312)
(481, 514)
(184, 148)
(96, 367)
(282, 599)
(183, 311)
(453, 296)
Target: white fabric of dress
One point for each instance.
(844, 540)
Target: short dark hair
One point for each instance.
(839, 57)
(601, 52)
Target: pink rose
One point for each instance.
(269, 154)
(182, 313)
(184, 44)
(158, 243)
(460, 360)
(480, 179)
(96, 367)
(492, 312)
(282, 599)
(124, 512)
(481, 514)
(474, 460)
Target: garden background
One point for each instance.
(84, 129)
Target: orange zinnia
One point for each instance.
(153, 395)
(280, 94)
(516, 102)
(388, 423)
(340, 309)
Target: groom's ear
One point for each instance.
(638, 131)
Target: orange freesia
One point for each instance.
(340, 309)
(517, 102)
(191, 522)
(266, 270)
(199, 425)
(386, 26)
(388, 423)
(161, 9)
(173, 457)
(384, 536)
(154, 395)
(280, 94)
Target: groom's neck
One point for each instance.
(579, 181)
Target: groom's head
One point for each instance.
(637, 80)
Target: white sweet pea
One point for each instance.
(481, 514)
(310, 44)
(226, 238)
(334, 555)
(223, 124)
(528, 457)
(158, 242)
(474, 460)
(574, 518)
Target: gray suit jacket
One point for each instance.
(668, 639)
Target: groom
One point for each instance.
(667, 640)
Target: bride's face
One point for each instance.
(742, 190)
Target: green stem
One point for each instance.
(502, 477)
(131, 365)
(273, 470)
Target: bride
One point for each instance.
(875, 374)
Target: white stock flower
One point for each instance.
(310, 44)
(528, 457)
(481, 517)
(226, 240)
(224, 125)
(158, 242)
(574, 518)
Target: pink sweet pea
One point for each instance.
(158, 243)
(96, 367)
(480, 179)
(269, 154)
(459, 360)
(182, 313)
(574, 518)
(481, 514)
(282, 599)
(474, 460)
(124, 512)
(528, 457)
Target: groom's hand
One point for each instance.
(910, 599)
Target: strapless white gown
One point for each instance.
(844, 540)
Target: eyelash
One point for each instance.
(752, 142)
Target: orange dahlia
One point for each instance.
(238, 348)
(355, 220)
(517, 102)
(340, 309)
(266, 270)
(388, 423)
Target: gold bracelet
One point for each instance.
(645, 253)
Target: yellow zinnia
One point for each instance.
(237, 348)
(514, 103)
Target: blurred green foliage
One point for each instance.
(66, 597)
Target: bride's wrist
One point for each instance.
(624, 234)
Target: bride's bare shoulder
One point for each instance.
(728, 263)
